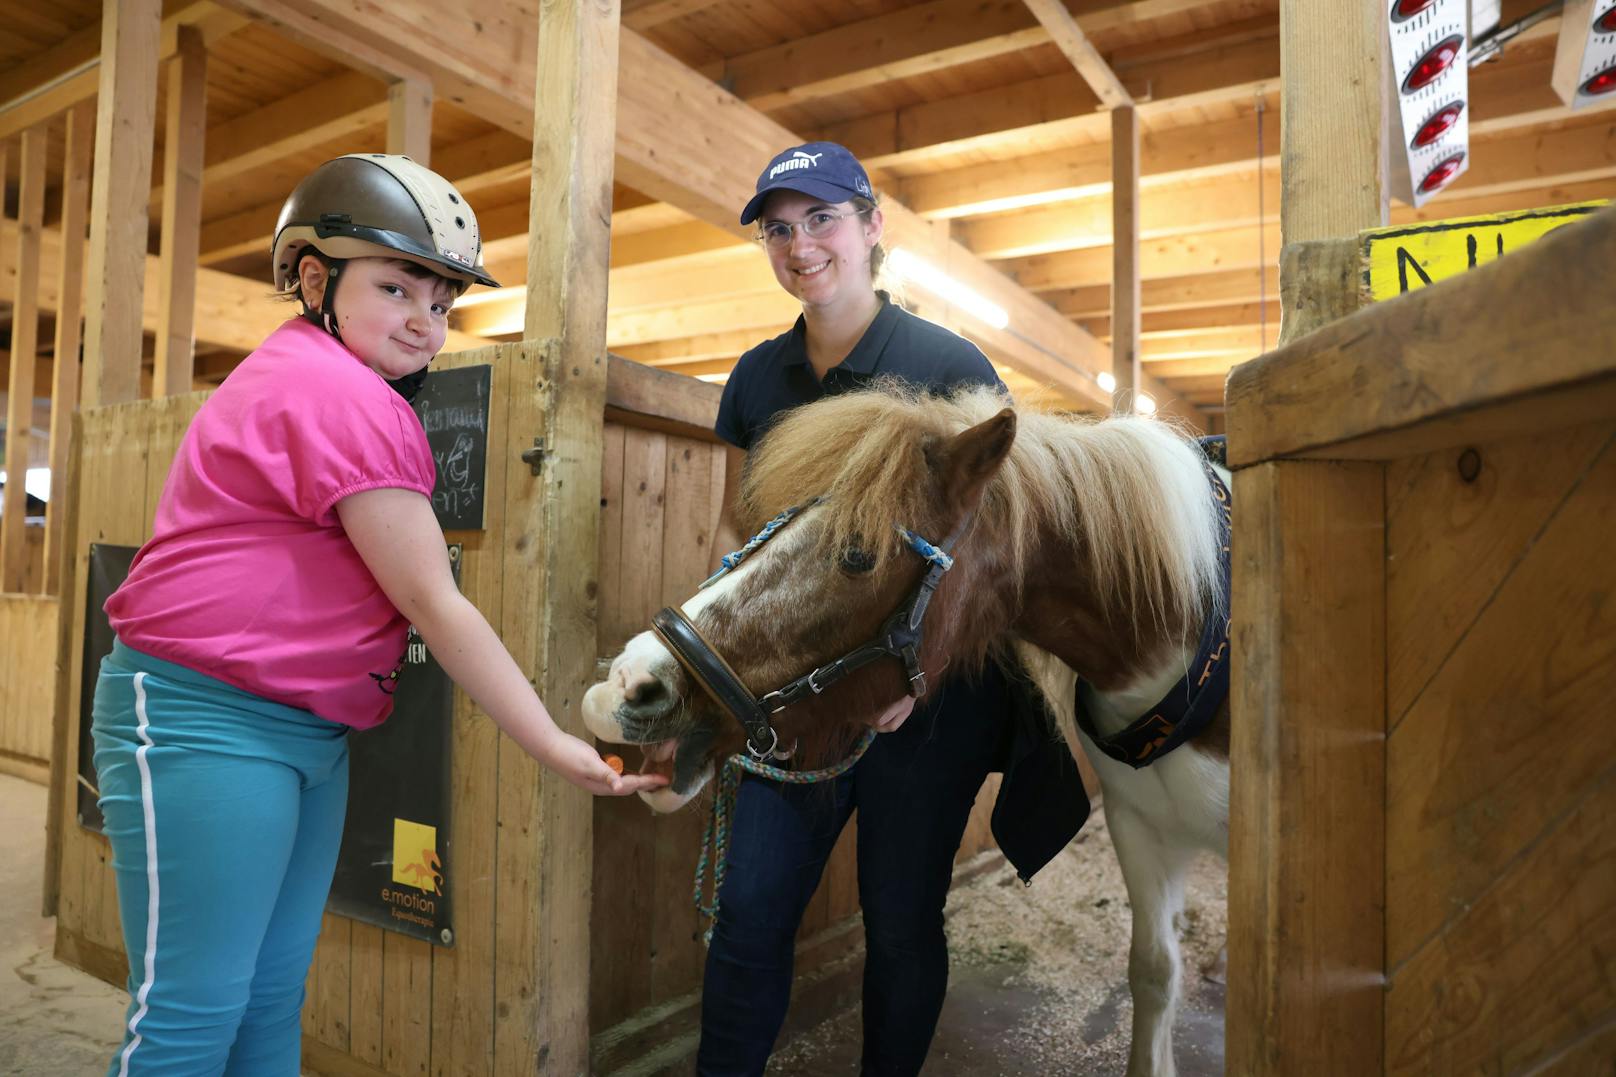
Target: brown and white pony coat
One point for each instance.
(1091, 548)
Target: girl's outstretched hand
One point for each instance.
(581, 765)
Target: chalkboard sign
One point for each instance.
(109, 565)
(396, 859)
(453, 407)
(395, 856)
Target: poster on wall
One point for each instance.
(396, 860)
(394, 867)
(453, 408)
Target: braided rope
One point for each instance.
(931, 553)
(715, 837)
(731, 560)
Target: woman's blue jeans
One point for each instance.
(913, 792)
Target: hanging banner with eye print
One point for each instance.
(453, 408)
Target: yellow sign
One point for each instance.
(415, 856)
(1398, 260)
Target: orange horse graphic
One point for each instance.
(428, 877)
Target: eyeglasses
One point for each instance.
(776, 235)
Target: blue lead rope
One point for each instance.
(715, 838)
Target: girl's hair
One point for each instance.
(294, 290)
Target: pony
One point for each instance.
(1090, 549)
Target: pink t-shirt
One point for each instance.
(249, 576)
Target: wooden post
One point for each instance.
(80, 137)
(409, 120)
(1333, 118)
(1125, 366)
(574, 132)
(126, 116)
(24, 352)
(1307, 766)
(182, 214)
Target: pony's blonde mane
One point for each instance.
(1128, 494)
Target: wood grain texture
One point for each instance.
(185, 134)
(79, 140)
(1435, 353)
(1498, 746)
(125, 120)
(1450, 542)
(24, 348)
(1306, 860)
(1525, 978)
(1125, 288)
(1333, 119)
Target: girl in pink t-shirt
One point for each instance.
(294, 545)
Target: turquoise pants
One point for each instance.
(225, 814)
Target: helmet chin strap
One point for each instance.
(326, 318)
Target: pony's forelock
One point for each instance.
(1127, 492)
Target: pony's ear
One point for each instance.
(965, 463)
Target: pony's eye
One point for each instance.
(856, 562)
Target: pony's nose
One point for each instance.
(647, 696)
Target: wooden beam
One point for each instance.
(574, 105)
(919, 40)
(644, 14)
(471, 166)
(1172, 256)
(125, 119)
(231, 312)
(1307, 815)
(409, 120)
(69, 73)
(342, 107)
(1080, 52)
(1449, 348)
(679, 139)
(184, 144)
(24, 354)
(1124, 257)
(1334, 119)
(1054, 106)
(729, 345)
(1172, 293)
(1166, 209)
(79, 140)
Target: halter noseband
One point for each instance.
(899, 637)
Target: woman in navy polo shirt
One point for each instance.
(914, 788)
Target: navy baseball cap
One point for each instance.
(823, 170)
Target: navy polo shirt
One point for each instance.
(776, 375)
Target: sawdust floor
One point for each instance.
(1038, 982)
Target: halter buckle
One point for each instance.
(766, 752)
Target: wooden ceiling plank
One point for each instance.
(1167, 210)
(70, 72)
(1053, 106)
(915, 40)
(680, 139)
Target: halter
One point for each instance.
(898, 637)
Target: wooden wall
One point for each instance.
(117, 474)
(27, 691)
(1500, 769)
